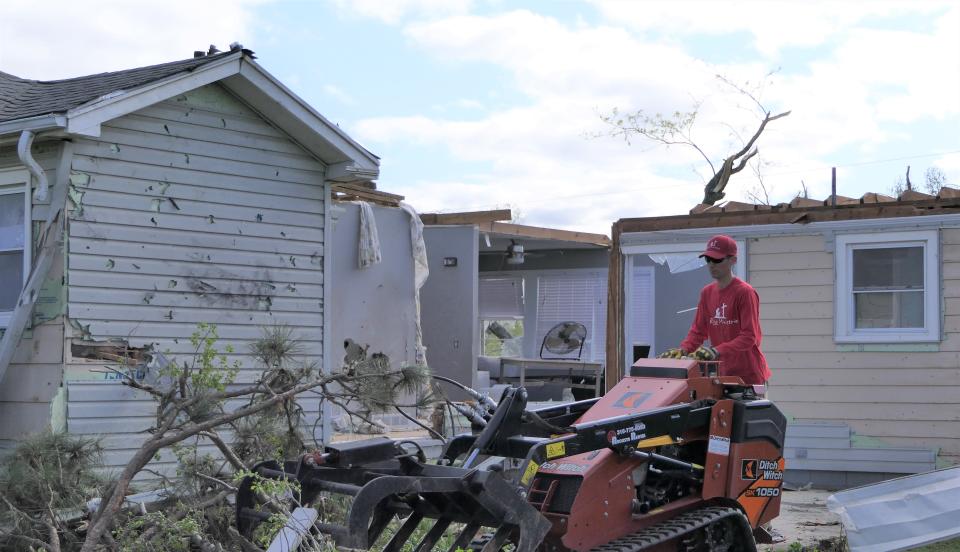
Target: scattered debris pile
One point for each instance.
(56, 495)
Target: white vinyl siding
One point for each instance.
(888, 287)
(192, 210)
(15, 241)
(575, 296)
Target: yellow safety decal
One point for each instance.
(655, 442)
(528, 473)
(556, 449)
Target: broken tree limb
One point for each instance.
(242, 541)
(228, 452)
(109, 507)
(714, 190)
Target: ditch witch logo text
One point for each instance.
(761, 469)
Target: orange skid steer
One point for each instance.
(673, 457)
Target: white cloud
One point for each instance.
(536, 151)
(62, 38)
(466, 103)
(950, 165)
(865, 77)
(774, 24)
(394, 11)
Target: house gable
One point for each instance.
(66, 106)
(194, 209)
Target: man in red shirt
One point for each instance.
(729, 315)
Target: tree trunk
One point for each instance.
(108, 511)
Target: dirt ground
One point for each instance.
(804, 519)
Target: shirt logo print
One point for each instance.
(720, 317)
(721, 312)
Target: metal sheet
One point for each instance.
(900, 513)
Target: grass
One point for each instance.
(945, 546)
(840, 545)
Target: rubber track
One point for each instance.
(678, 526)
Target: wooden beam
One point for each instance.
(469, 217)
(350, 187)
(785, 216)
(346, 192)
(615, 346)
(535, 232)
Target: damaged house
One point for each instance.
(135, 205)
(860, 316)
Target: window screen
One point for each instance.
(12, 239)
(888, 286)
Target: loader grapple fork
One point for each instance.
(385, 487)
(664, 460)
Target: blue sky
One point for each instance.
(475, 104)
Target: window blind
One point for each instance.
(500, 297)
(577, 297)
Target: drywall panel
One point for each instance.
(449, 303)
(373, 307)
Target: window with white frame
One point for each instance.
(14, 239)
(576, 296)
(888, 287)
(500, 303)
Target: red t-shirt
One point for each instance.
(730, 318)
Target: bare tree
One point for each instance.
(935, 180)
(677, 129)
(758, 193)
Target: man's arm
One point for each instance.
(698, 330)
(748, 311)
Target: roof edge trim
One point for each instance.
(34, 124)
(630, 240)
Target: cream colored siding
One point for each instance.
(901, 397)
(196, 210)
(32, 380)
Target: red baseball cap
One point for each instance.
(720, 247)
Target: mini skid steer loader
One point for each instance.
(672, 458)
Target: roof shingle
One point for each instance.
(22, 98)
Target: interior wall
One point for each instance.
(448, 303)
(373, 307)
(673, 293)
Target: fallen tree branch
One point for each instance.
(227, 451)
(242, 541)
(216, 481)
(110, 506)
